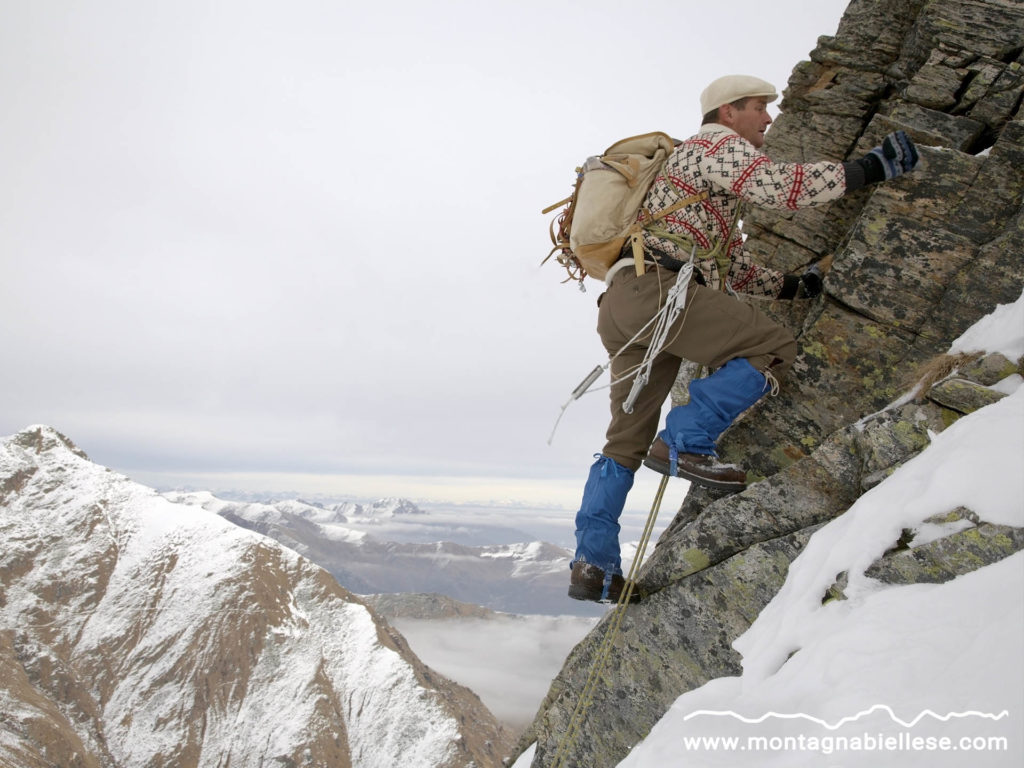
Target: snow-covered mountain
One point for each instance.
(136, 631)
(528, 577)
(382, 509)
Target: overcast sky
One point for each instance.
(295, 245)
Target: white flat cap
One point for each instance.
(732, 87)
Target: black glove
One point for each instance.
(807, 286)
(895, 156)
(812, 281)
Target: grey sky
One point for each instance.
(257, 242)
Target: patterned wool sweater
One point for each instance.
(732, 170)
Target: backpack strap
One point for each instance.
(560, 239)
(646, 220)
(721, 252)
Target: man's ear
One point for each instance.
(726, 113)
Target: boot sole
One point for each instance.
(634, 598)
(590, 597)
(662, 467)
(582, 593)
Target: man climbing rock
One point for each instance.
(747, 353)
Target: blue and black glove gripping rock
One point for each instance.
(895, 156)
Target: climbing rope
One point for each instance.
(675, 303)
(666, 316)
(604, 650)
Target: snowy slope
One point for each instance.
(917, 664)
(928, 675)
(940, 648)
(164, 634)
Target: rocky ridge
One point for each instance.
(917, 262)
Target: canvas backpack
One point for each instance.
(605, 209)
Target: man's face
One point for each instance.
(751, 121)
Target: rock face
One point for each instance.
(139, 632)
(917, 261)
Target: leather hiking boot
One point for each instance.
(706, 471)
(587, 583)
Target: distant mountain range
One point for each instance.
(527, 577)
(138, 629)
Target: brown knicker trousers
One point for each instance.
(713, 329)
